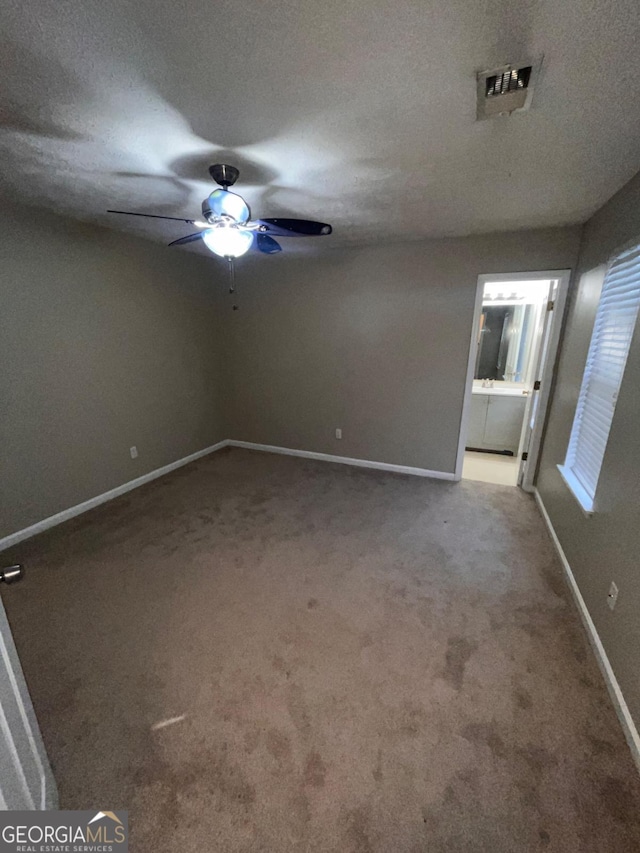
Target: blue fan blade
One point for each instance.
(152, 216)
(225, 203)
(296, 227)
(188, 239)
(266, 244)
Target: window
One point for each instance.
(608, 351)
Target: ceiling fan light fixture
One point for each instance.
(228, 241)
(227, 228)
(225, 203)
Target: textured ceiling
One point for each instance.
(361, 113)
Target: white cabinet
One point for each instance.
(477, 420)
(496, 422)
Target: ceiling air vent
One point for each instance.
(504, 90)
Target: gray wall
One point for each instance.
(105, 342)
(606, 546)
(374, 341)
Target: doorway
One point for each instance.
(514, 342)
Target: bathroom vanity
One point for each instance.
(496, 419)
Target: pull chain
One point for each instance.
(232, 276)
(232, 280)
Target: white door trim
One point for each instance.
(27, 781)
(548, 370)
(468, 382)
(563, 277)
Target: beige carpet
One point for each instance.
(349, 661)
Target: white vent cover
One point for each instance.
(507, 89)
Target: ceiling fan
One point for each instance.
(227, 228)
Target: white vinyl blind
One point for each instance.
(610, 342)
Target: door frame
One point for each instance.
(27, 782)
(563, 278)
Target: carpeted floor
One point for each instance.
(343, 660)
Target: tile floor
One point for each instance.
(490, 468)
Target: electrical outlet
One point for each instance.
(134, 452)
(612, 597)
(338, 433)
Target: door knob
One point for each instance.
(11, 574)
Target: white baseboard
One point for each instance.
(345, 460)
(617, 697)
(66, 514)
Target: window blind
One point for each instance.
(610, 342)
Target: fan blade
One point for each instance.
(296, 227)
(153, 216)
(188, 239)
(266, 244)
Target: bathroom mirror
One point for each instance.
(509, 322)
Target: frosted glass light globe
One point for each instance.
(228, 241)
